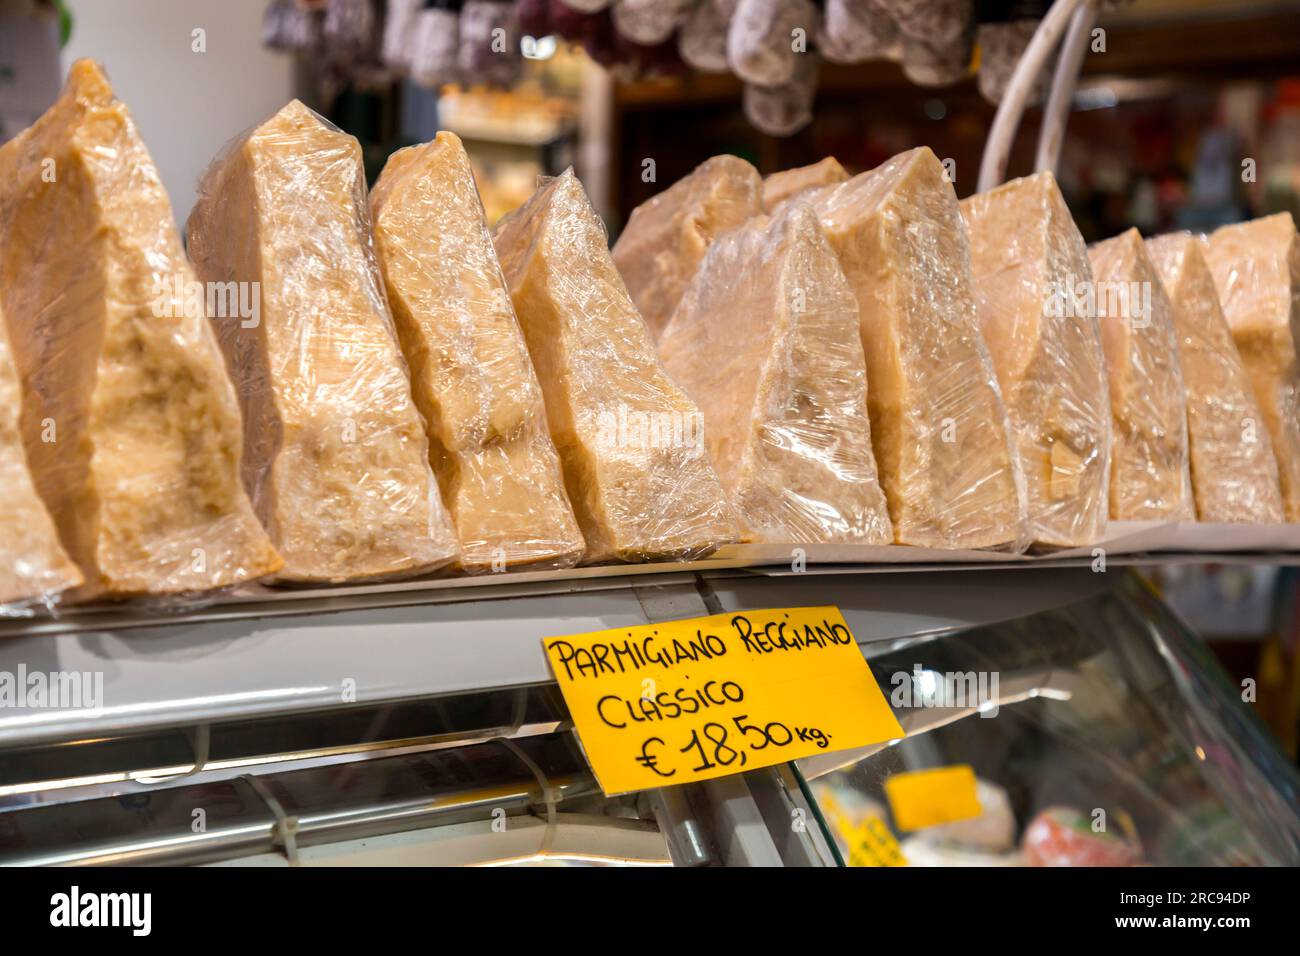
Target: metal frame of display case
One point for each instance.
(251, 691)
(252, 662)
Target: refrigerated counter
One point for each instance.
(429, 731)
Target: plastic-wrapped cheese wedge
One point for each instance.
(1030, 267)
(666, 237)
(335, 456)
(938, 423)
(33, 564)
(470, 371)
(131, 427)
(779, 187)
(766, 339)
(1150, 478)
(1234, 473)
(1256, 268)
(630, 440)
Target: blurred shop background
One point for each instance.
(1187, 116)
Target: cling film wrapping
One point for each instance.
(130, 426)
(1150, 468)
(34, 568)
(766, 340)
(939, 426)
(666, 237)
(335, 456)
(1256, 267)
(778, 187)
(1031, 275)
(470, 372)
(630, 440)
(1234, 473)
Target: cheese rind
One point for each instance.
(666, 237)
(336, 458)
(766, 340)
(1150, 475)
(131, 426)
(631, 441)
(1029, 265)
(1234, 472)
(33, 564)
(1256, 267)
(470, 372)
(939, 427)
(779, 187)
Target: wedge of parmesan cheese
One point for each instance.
(470, 372)
(1256, 267)
(766, 340)
(1234, 473)
(666, 237)
(631, 441)
(779, 187)
(1150, 475)
(336, 458)
(130, 424)
(1030, 266)
(33, 564)
(939, 427)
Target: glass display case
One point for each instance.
(1099, 733)
(421, 725)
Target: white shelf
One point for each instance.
(437, 641)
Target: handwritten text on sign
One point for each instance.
(671, 703)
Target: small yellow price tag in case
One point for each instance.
(871, 844)
(670, 703)
(927, 798)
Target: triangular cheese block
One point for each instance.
(631, 441)
(766, 340)
(666, 237)
(1030, 267)
(33, 564)
(336, 457)
(938, 423)
(470, 372)
(130, 424)
(1150, 478)
(1234, 473)
(779, 187)
(1256, 268)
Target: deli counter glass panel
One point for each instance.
(1101, 733)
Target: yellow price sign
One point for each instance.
(927, 798)
(670, 703)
